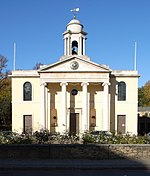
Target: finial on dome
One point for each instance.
(74, 11)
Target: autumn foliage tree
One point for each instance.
(5, 95)
(147, 93)
(144, 95)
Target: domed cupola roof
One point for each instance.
(74, 38)
(74, 26)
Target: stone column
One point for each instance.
(46, 106)
(64, 106)
(68, 46)
(48, 109)
(43, 106)
(65, 44)
(84, 107)
(80, 46)
(83, 46)
(106, 126)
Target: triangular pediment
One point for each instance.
(74, 64)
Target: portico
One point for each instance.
(78, 102)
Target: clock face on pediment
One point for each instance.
(74, 65)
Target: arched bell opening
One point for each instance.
(74, 47)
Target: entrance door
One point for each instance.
(121, 120)
(27, 124)
(74, 123)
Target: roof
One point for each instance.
(143, 109)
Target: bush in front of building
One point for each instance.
(9, 137)
(42, 137)
(46, 137)
(103, 138)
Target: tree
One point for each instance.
(147, 93)
(141, 97)
(37, 66)
(5, 95)
(3, 73)
(144, 95)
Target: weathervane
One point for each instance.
(74, 11)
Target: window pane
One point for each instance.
(27, 91)
(121, 91)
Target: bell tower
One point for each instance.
(74, 38)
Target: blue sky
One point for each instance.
(112, 26)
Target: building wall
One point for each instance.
(74, 103)
(20, 107)
(128, 107)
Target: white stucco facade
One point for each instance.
(74, 94)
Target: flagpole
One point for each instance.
(14, 56)
(135, 55)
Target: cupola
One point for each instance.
(74, 38)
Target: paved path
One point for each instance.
(11, 164)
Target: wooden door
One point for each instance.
(74, 123)
(27, 124)
(121, 124)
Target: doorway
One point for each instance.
(74, 123)
(121, 124)
(27, 124)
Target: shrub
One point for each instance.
(115, 139)
(46, 137)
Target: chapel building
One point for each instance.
(74, 94)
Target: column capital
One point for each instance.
(84, 83)
(63, 84)
(43, 84)
(106, 84)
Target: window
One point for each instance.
(27, 91)
(121, 91)
(74, 92)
